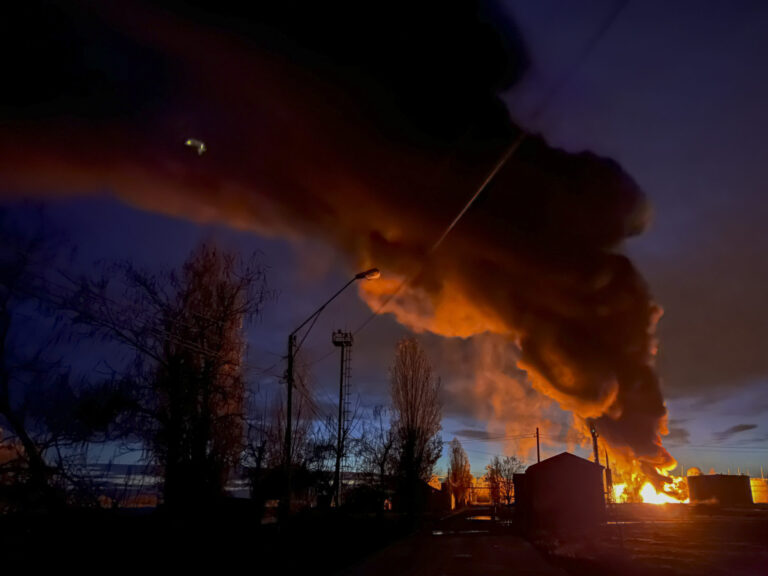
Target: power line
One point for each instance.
(740, 448)
(600, 32)
(506, 155)
(496, 438)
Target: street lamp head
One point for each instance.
(372, 274)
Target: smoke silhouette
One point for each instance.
(368, 128)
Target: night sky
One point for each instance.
(309, 140)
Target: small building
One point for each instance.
(721, 489)
(562, 494)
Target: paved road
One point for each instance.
(460, 545)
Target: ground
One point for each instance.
(468, 542)
(682, 540)
(641, 539)
(637, 540)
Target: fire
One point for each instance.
(676, 485)
(650, 496)
(632, 483)
(618, 493)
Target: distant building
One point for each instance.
(720, 489)
(562, 494)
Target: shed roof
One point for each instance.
(563, 459)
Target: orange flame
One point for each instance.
(650, 496)
(637, 487)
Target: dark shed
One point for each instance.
(562, 494)
(721, 489)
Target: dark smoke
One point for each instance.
(368, 126)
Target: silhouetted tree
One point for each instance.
(501, 472)
(459, 475)
(261, 449)
(26, 254)
(46, 421)
(493, 476)
(377, 446)
(264, 453)
(187, 330)
(377, 452)
(417, 414)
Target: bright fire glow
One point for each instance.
(650, 496)
(618, 492)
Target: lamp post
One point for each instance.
(293, 349)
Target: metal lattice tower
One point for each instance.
(344, 341)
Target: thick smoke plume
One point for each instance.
(370, 132)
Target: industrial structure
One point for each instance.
(562, 494)
(759, 490)
(721, 489)
(342, 340)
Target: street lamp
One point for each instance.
(293, 349)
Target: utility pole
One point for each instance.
(538, 449)
(593, 431)
(286, 502)
(293, 349)
(342, 340)
(608, 478)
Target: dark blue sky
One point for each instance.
(676, 94)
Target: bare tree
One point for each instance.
(187, 330)
(493, 476)
(25, 257)
(49, 419)
(416, 419)
(501, 473)
(376, 451)
(459, 475)
(261, 447)
(264, 453)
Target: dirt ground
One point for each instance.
(670, 539)
(637, 540)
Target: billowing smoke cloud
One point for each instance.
(486, 384)
(367, 127)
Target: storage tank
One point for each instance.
(759, 490)
(720, 489)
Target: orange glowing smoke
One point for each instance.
(377, 167)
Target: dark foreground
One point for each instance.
(674, 540)
(472, 541)
(638, 540)
(220, 542)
